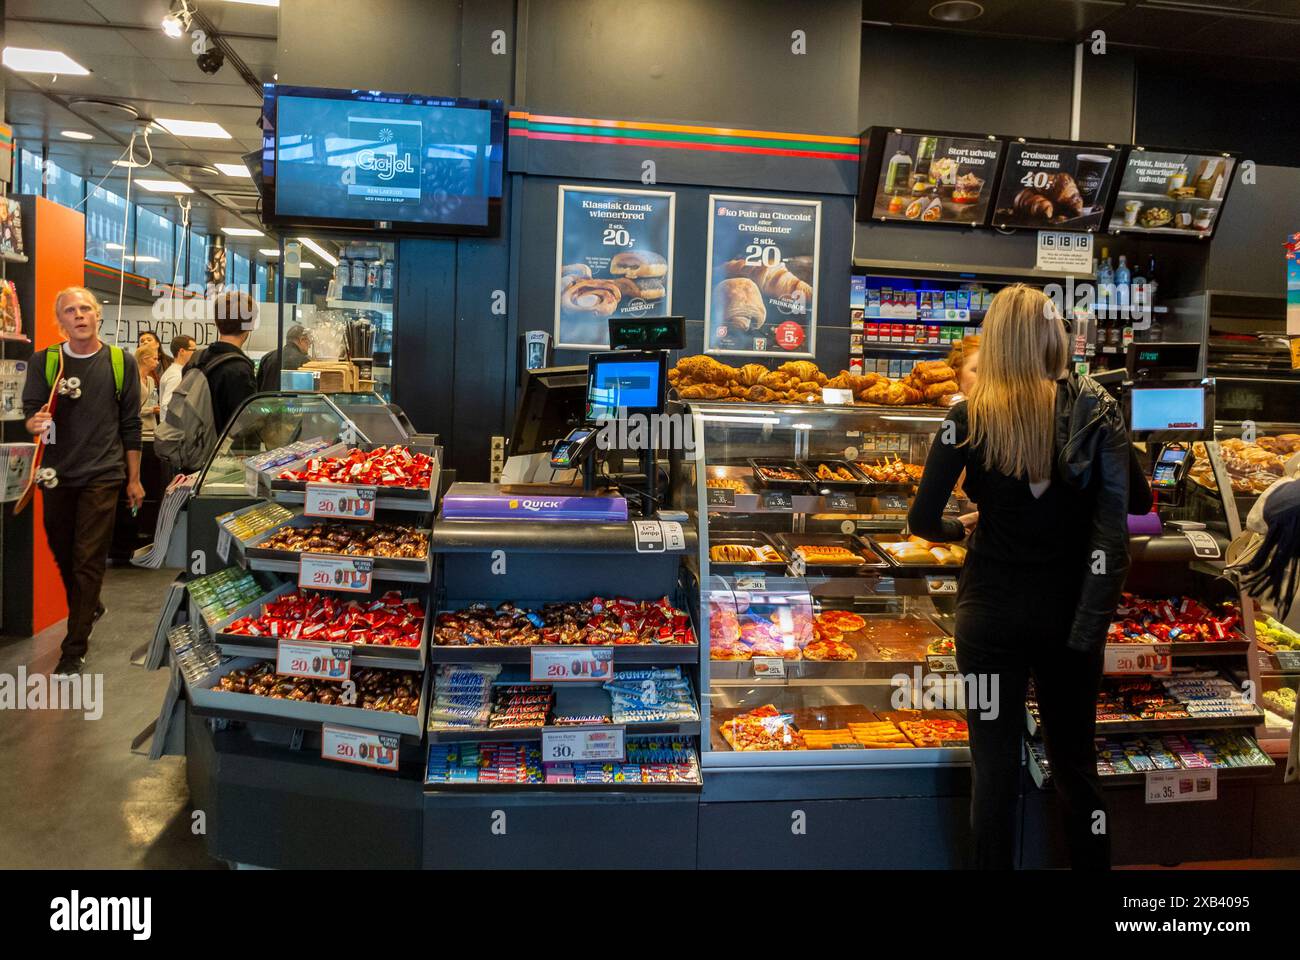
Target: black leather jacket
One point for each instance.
(1095, 456)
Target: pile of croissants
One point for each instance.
(799, 381)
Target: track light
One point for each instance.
(178, 21)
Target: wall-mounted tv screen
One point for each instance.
(1172, 192)
(366, 159)
(1055, 185)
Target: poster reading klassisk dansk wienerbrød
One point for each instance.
(762, 276)
(614, 257)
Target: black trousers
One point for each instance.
(1012, 623)
(79, 528)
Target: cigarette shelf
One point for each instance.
(689, 728)
(649, 653)
(1245, 721)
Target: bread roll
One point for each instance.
(597, 297)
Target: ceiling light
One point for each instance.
(128, 163)
(308, 265)
(113, 246)
(143, 259)
(53, 62)
(269, 252)
(320, 251)
(233, 169)
(77, 135)
(193, 128)
(242, 232)
(165, 186)
(177, 21)
(257, 3)
(956, 11)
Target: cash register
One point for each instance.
(1169, 416)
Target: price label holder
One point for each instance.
(340, 502)
(588, 745)
(1138, 659)
(1288, 660)
(1180, 786)
(364, 748)
(1203, 544)
(571, 664)
(940, 586)
(316, 661)
(778, 500)
(769, 668)
(329, 572)
(751, 581)
(841, 503)
(837, 396)
(223, 545)
(893, 502)
(941, 663)
(1064, 252)
(720, 497)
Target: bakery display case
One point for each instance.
(826, 623)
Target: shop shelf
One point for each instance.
(468, 735)
(294, 492)
(9, 256)
(1041, 773)
(400, 569)
(1179, 725)
(208, 701)
(481, 536)
(653, 653)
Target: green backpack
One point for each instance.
(115, 356)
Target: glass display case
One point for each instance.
(828, 628)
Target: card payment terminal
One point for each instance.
(1170, 467)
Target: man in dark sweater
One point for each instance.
(295, 352)
(233, 382)
(93, 449)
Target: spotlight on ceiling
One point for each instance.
(178, 20)
(956, 11)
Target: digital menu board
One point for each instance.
(1054, 185)
(1171, 192)
(934, 177)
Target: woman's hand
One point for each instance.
(968, 521)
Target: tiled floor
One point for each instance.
(72, 792)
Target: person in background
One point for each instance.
(182, 351)
(230, 383)
(150, 339)
(295, 352)
(96, 449)
(964, 360)
(146, 360)
(1050, 467)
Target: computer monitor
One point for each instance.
(625, 383)
(1167, 413)
(553, 402)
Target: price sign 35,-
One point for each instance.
(327, 572)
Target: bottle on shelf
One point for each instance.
(1105, 283)
(1123, 281)
(1138, 296)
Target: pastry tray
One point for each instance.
(859, 484)
(874, 542)
(875, 488)
(297, 712)
(363, 655)
(873, 562)
(758, 538)
(410, 569)
(759, 465)
(876, 657)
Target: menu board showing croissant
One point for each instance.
(1064, 187)
(762, 276)
(613, 258)
(931, 178)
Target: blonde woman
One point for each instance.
(1050, 467)
(146, 358)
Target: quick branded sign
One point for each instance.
(387, 165)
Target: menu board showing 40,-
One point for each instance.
(1172, 193)
(930, 178)
(1055, 186)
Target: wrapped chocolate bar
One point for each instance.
(394, 466)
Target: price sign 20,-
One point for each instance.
(326, 572)
(365, 748)
(340, 502)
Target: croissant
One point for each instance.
(761, 394)
(778, 380)
(809, 386)
(738, 391)
(696, 391)
(751, 373)
(1063, 192)
(774, 281)
(599, 297)
(800, 369)
(741, 304)
(725, 374)
(1033, 205)
(841, 381)
(877, 392)
(933, 371)
(934, 391)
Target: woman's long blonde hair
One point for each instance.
(1023, 352)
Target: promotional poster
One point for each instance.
(762, 276)
(1056, 186)
(613, 257)
(929, 178)
(1171, 193)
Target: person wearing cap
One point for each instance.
(295, 352)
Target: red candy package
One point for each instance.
(389, 621)
(393, 466)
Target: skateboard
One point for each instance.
(46, 477)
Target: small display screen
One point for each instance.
(1168, 408)
(614, 385)
(564, 451)
(1173, 454)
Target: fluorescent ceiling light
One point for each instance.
(193, 128)
(144, 259)
(320, 251)
(53, 62)
(77, 135)
(257, 3)
(233, 169)
(308, 265)
(134, 164)
(113, 246)
(269, 252)
(242, 232)
(164, 186)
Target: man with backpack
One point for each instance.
(214, 385)
(93, 447)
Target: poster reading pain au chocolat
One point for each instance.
(614, 257)
(762, 276)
